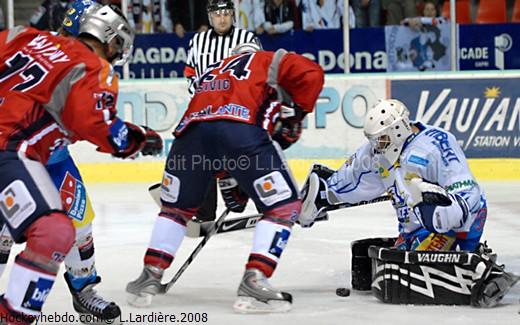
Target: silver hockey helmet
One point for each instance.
(253, 46)
(108, 25)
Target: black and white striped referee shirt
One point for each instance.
(208, 47)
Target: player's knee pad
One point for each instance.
(49, 239)
(361, 263)
(286, 214)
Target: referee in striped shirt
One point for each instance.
(215, 44)
(209, 47)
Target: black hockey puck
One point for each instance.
(343, 292)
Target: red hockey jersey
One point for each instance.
(55, 90)
(248, 87)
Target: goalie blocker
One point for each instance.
(428, 278)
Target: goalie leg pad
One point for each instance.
(423, 278)
(361, 263)
(438, 278)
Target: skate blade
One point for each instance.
(250, 305)
(139, 301)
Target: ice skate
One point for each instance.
(147, 285)
(255, 295)
(498, 285)
(93, 308)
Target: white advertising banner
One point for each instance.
(333, 131)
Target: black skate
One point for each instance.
(255, 295)
(92, 308)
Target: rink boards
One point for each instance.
(481, 109)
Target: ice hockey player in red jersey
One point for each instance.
(54, 91)
(226, 129)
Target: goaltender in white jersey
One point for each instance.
(410, 161)
(439, 204)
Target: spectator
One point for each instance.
(251, 15)
(279, 16)
(430, 16)
(188, 16)
(49, 15)
(368, 13)
(2, 21)
(323, 14)
(149, 16)
(397, 10)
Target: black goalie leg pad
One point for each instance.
(423, 278)
(361, 263)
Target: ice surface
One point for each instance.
(315, 262)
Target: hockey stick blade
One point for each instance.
(200, 228)
(166, 286)
(197, 228)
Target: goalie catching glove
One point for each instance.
(145, 140)
(234, 198)
(437, 210)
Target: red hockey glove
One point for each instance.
(153, 143)
(141, 139)
(288, 128)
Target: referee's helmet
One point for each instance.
(215, 5)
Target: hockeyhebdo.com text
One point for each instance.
(131, 318)
(240, 163)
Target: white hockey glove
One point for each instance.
(314, 196)
(437, 210)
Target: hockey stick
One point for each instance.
(200, 228)
(212, 230)
(381, 198)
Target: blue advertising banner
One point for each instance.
(326, 48)
(159, 56)
(481, 47)
(483, 114)
(489, 47)
(164, 55)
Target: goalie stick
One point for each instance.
(212, 230)
(200, 228)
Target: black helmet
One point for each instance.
(214, 5)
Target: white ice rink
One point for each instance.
(316, 261)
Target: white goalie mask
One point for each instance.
(108, 25)
(387, 126)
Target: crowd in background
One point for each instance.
(261, 16)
